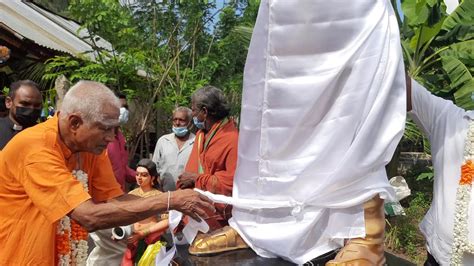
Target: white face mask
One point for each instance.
(123, 117)
(180, 131)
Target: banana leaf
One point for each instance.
(462, 15)
(461, 81)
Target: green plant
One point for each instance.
(438, 48)
(402, 234)
(176, 46)
(392, 239)
(428, 175)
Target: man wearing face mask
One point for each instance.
(107, 251)
(124, 113)
(56, 178)
(211, 167)
(24, 102)
(117, 152)
(172, 150)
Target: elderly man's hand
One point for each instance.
(187, 180)
(191, 203)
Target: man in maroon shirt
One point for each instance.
(118, 154)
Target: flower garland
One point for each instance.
(463, 197)
(71, 238)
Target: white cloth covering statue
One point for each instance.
(323, 109)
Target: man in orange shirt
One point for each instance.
(211, 166)
(38, 188)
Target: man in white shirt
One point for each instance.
(446, 126)
(172, 150)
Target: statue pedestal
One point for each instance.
(249, 258)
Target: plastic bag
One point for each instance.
(400, 186)
(148, 258)
(402, 191)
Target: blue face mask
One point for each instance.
(180, 131)
(197, 123)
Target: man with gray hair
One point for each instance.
(56, 183)
(211, 166)
(172, 150)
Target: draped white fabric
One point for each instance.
(323, 109)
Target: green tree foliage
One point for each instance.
(438, 51)
(175, 46)
(438, 48)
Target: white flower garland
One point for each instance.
(78, 248)
(461, 243)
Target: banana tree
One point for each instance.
(438, 53)
(438, 48)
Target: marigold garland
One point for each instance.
(461, 243)
(62, 243)
(71, 237)
(467, 171)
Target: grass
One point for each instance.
(402, 234)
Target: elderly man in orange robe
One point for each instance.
(56, 182)
(213, 160)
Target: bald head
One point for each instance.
(90, 99)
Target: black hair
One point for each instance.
(151, 167)
(17, 84)
(123, 96)
(213, 99)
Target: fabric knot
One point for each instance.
(297, 208)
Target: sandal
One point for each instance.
(221, 240)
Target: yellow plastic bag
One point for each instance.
(148, 258)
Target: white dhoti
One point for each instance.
(107, 252)
(322, 112)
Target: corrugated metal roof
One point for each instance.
(47, 29)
